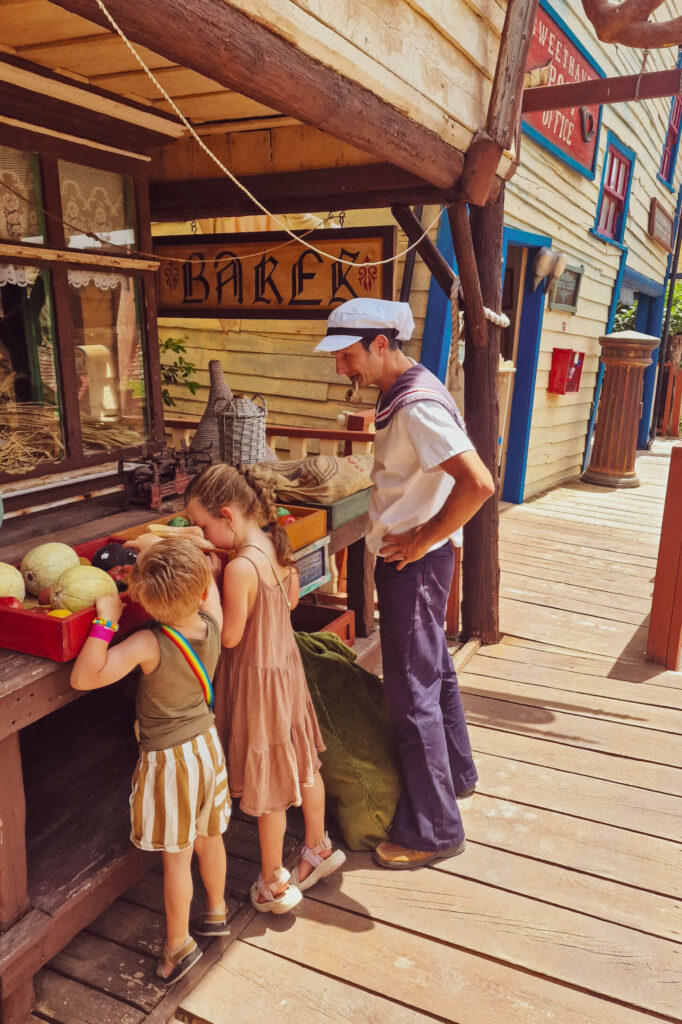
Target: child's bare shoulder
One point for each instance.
(144, 646)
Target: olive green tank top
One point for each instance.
(170, 703)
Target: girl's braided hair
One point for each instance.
(221, 485)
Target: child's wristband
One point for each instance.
(99, 632)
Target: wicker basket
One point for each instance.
(241, 429)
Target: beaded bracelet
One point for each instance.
(113, 626)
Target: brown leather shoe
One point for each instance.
(391, 855)
(465, 793)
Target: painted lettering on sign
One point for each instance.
(571, 133)
(268, 275)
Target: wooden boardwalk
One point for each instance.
(565, 907)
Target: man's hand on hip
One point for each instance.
(404, 548)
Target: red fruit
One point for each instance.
(120, 574)
(11, 602)
(287, 520)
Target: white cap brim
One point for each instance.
(336, 342)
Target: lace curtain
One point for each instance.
(94, 201)
(18, 217)
(15, 273)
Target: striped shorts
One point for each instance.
(178, 794)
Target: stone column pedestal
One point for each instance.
(625, 356)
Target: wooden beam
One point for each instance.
(442, 272)
(225, 44)
(504, 108)
(602, 90)
(362, 187)
(475, 322)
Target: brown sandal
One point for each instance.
(182, 960)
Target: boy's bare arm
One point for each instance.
(99, 665)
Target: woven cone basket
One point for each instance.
(206, 438)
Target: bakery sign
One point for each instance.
(571, 133)
(268, 274)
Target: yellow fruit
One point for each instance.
(11, 582)
(83, 560)
(80, 586)
(59, 613)
(45, 564)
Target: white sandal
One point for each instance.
(322, 866)
(283, 902)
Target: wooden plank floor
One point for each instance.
(565, 907)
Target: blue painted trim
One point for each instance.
(613, 142)
(437, 323)
(668, 182)
(663, 181)
(646, 285)
(605, 238)
(540, 139)
(649, 324)
(530, 330)
(600, 376)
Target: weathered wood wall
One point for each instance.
(547, 197)
(275, 357)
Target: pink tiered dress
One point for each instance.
(264, 714)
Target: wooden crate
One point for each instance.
(316, 618)
(340, 512)
(310, 525)
(60, 639)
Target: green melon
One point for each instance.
(11, 582)
(45, 564)
(80, 586)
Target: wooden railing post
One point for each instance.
(664, 642)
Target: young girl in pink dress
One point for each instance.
(264, 714)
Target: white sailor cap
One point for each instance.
(366, 318)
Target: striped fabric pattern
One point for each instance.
(179, 793)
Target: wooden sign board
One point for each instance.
(571, 134)
(267, 275)
(565, 290)
(661, 225)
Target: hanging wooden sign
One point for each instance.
(267, 275)
(661, 224)
(571, 133)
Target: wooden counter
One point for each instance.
(66, 760)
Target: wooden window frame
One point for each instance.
(614, 191)
(55, 255)
(672, 142)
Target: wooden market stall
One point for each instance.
(301, 104)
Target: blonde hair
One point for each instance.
(222, 485)
(170, 578)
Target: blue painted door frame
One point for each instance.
(436, 346)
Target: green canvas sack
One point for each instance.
(360, 767)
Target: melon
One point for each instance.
(43, 565)
(11, 582)
(80, 586)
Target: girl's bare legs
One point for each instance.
(312, 798)
(177, 896)
(213, 869)
(271, 829)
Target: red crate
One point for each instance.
(60, 639)
(316, 618)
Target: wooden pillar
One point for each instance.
(360, 577)
(480, 565)
(664, 641)
(625, 355)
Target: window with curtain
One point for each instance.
(672, 140)
(96, 203)
(614, 194)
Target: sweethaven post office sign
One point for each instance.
(268, 275)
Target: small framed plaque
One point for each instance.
(564, 292)
(661, 225)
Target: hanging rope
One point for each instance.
(452, 376)
(645, 57)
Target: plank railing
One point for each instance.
(664, 642)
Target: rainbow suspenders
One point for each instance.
(193, 660)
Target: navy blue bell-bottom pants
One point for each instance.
(423, 700)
